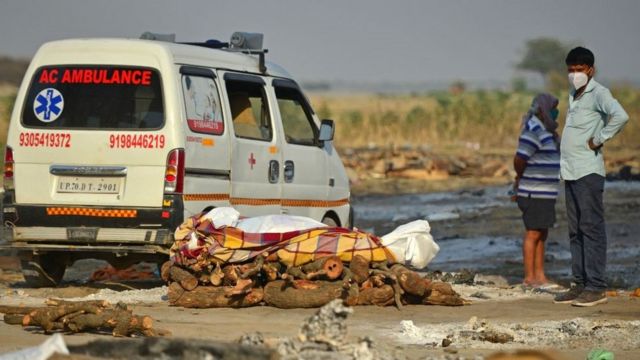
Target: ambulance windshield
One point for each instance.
(94, 97)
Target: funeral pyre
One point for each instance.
(221, 260)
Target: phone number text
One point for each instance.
(141, 141)
(30, 139)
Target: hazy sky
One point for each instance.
(358, 40)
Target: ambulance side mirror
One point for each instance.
(326, 130)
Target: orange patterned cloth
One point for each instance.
(199, 243)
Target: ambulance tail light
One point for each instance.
(174, 172)
(8, 168)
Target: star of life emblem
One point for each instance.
(48, 105)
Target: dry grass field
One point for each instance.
(477, 120)
(487, 121)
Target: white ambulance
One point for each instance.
(114, 142)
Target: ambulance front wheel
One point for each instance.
(45, 270)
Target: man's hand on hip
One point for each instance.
(593, 146)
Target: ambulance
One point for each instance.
(114, 142)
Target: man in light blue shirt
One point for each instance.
(594, 117)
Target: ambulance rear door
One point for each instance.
(91, 135)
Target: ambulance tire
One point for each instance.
(43, 270)
(329, 221)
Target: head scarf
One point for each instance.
(541, 107)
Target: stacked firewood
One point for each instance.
(266, 280)
(82, 316)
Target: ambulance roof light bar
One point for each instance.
(251, 44)
(244, 42)
(148, 35)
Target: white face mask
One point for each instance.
(578, 79)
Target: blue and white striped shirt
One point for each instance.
(538, 147)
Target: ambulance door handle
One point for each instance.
(274, 171)
(289, 170)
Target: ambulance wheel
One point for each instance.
(329, 221)
(43, 270)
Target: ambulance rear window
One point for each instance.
(94, 97)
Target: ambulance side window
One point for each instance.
(249, 110)
(298, 124)
(202, 102)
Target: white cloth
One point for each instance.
(277, 224)
(227, 216)
(223, 216)
(412, 244)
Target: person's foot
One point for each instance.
(540, 280)
(529, 285)
(590, 298)
(568, 297)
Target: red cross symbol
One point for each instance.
(252, 161)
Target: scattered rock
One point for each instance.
(327, 325)
(480, 295)
(495, 280)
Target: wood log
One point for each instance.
(127, 323)
(184, 277)
(85, 315)
(13, 319)
(174, 293)
(217, 275)
(330, 267)
(272, 270)
(58, 302)
(359, 267)
(441, 287)
(382, 276)
(440, 293)
(47, 317)
(5, 309)
(85, 322)
(230, 275)
(373, 282)
(294, 272)
(381, 296)
(282, 295)
(164, 270)
(243, 286)
(249, 270)
(409, 280)
(204, 278)
(212, 297)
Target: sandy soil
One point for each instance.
(413, 332)
(482, 237)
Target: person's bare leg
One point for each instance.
(529, 246)
(538, 265)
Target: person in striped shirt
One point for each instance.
(537, 166)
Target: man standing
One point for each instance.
(594, 117)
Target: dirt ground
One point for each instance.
(414, 332)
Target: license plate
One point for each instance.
(89, 185)
(85, 234)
